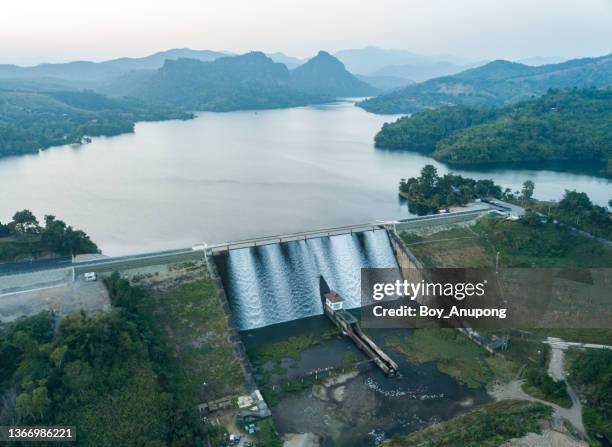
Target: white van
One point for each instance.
(90, 276)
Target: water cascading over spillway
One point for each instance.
(280, 282)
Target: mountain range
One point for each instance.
(404, 67)
(325, 75)
(198, 80)
(495, 84)
(250, 81)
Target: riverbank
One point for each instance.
(316, 381)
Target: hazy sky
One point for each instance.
(52, 30)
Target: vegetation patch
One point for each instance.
(487, 426)
(457, 247)
(528, 242)
(288, 348)
(591, 372)
(539, 384)
(23, 237)
(560, 125)
(33, 121)
(191, 323)
(456, 356)
(94, 373)
(266, 435)
(429, 192)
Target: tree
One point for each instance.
(40, 401)
(25, 222)
(527, 191)
(574, 202)
(429, 177)
(23, 403)
(4, 230)
(53, 234)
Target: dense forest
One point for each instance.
(23, 237)
(577, 210)
(495, 84)
(572, 125)
(592, 371)
(33, 121)
(105, 374)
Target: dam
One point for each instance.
(279, 282)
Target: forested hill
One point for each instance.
(31, 121)
(495, 84)
(324, 75)
(250, 81)
(572, 125)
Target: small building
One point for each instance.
(334, 301)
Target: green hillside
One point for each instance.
(495, 84)
(571, 125)
(31, 121)
(325, 75)
(250, 81)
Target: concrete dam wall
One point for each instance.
(280, 282)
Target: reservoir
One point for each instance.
(228, 176)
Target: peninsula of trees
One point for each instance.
(572, 125)
(429, 192)
(30, 121)
(23, 237)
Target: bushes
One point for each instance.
(487, 426)
(540, 384)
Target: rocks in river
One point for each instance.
(374, 386)
(378, 436)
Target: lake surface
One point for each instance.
(228, 176)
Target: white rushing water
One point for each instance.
(277, 283)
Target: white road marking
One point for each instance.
(33, 290)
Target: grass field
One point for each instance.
(519, 245)
(457, 247)
(190, 319)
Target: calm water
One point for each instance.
(234, 175)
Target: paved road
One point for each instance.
(50, 264)
(12, 268)
(557, 343)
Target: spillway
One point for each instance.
(280, 282)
